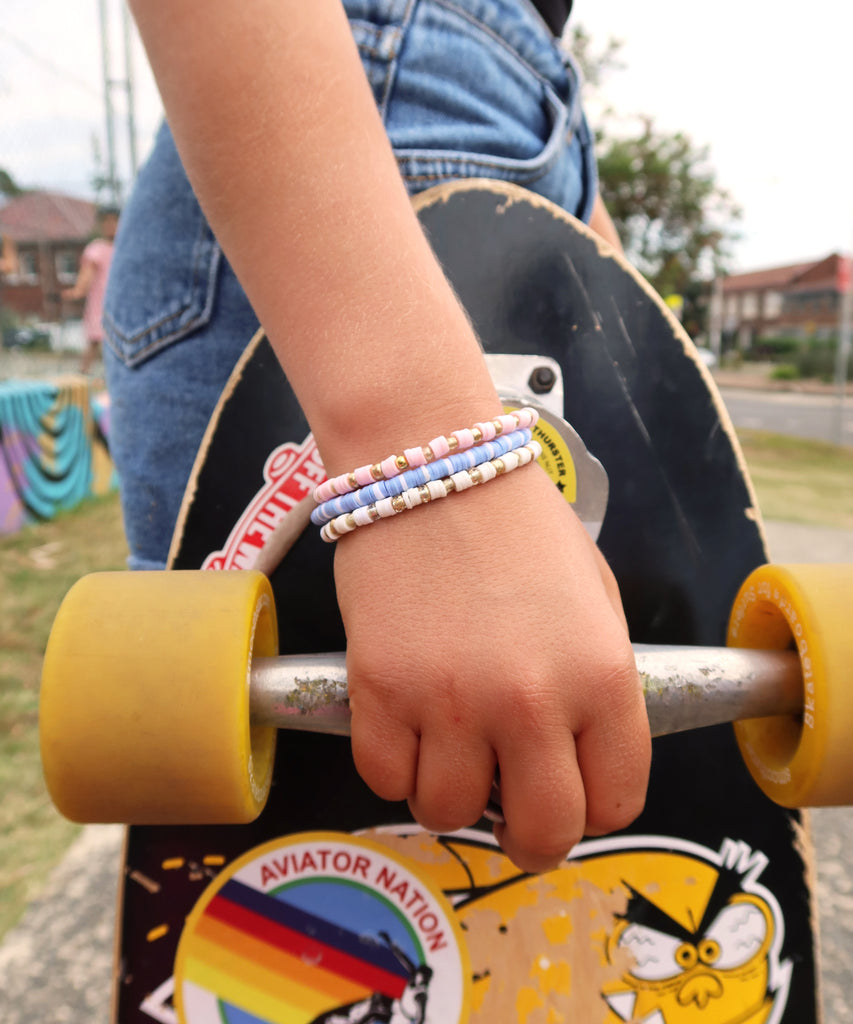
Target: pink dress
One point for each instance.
(99, 253)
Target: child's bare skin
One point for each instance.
(484, 630)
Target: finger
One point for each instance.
(614, 754)
(544, 805)
(384, 747)
(454, 780)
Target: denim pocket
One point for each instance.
(162, 282)
(472, 98)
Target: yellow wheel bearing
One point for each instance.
(144, 713)
(804, 760)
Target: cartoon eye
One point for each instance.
(738, 931)
(656, 955)
(686, 956)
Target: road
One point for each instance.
(789, 412)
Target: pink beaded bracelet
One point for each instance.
(438, 448)
(431, 491)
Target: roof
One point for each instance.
(773, 277)
(47, 217)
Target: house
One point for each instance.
(43, 236)
(796, 300)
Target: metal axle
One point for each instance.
(684, 688)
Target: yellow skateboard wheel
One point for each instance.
(804, 760)
(144, 712)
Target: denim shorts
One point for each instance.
(466, 88)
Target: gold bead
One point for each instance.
(500, 466)
(350, 521)
(376, 471)
(477, 434)
(398, 503)
(476, 475)
(351, 480)
(499, 427)
(373, 513)
(401, 463)
(423, 493)
(453, 442)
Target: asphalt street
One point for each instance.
(818, 417)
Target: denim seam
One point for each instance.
(391, 73)
(483, 27)
(118, 339)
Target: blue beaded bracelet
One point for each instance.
(437, 470)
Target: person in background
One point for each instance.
(91, 284)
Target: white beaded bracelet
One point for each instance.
(431, 491)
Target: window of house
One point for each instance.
(772, 305)
(66, 266)
(749, 305)
(28, 267)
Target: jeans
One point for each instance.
(466, 88)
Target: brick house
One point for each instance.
(797, 300)
(43, 236)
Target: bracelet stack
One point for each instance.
(456, 462)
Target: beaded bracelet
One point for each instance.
(438, 448)
(432, 491)
(416, 477)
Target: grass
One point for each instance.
(805, 481)
(37, 567)
(800, 481)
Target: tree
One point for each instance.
(8, 188)
(676, 223)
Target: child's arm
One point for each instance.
(85, 278)
(484, 629)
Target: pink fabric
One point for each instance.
(99, 253)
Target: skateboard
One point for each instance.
(314, 901)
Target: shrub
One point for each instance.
(785, 371)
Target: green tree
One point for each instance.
(676, 222)
(8, 188)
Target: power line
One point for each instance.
(48, 64)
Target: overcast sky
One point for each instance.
(763, 84)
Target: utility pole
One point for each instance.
(129, 89)
(842, 355)
(126, 84)
(111, 176)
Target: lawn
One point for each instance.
(37, 567)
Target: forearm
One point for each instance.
(281, 139)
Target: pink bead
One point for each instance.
(440, 447)
(389, 467)
(465, 439)
(363, 476)
(507, 422)
(415, 457)
(487, 430)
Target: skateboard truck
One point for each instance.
(162, 692)
(684, 688)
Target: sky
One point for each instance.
(762, 83)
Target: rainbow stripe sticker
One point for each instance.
(322, 928)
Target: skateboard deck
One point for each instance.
(333, 906)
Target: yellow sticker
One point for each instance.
(556, 458)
